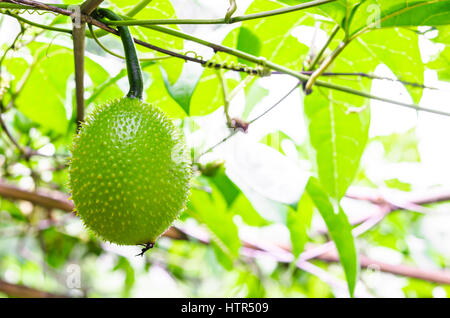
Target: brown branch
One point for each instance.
(373, 196)
(79, 33)
(56, 201)
(21, 291)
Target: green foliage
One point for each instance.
(238, 196)
(298, 223)
(339, 228)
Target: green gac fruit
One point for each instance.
(129, 173)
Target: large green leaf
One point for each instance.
(338, 138)
(338, 122)
(208, 95)
(441, 61)
(340, 230)
(43, 95)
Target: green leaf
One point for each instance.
(443, 35)
(58, 246)
(183, 88)
(440, 64)
(402, 147)
(228, 189)
(338, 138)
(274, 33)
(43, 96)
(253, 95)
(248, 42)
(298, 223)
(208, 95)
(243, 207)
(340, 231)
(124, 265)
(158, 95)
(338, 122)
(103, 87)
(399, 50)
(397, 184)
(339, 10)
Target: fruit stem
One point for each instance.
(133, 67)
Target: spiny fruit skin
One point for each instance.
(129, 173)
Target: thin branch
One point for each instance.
(225, 96)
(235, 131)
(371, 76)
(21, 291)
(276, 104)
(322, 50)
(231, 9)
(19, 4)
(37, 25)
(324, 66)
(13, 44)
(382, 99)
